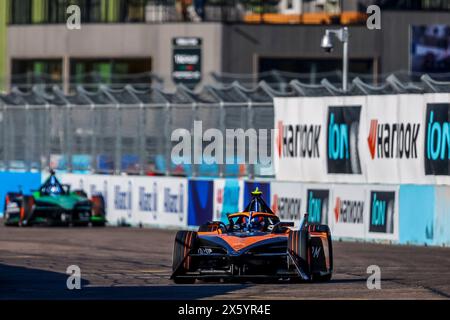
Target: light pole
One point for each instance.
(327, 45)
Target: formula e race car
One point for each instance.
(254, 245)
(54, 204)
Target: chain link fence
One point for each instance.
(128, 130)
(112, 131)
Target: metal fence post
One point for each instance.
(68, 137)
(46, 151)
(194, 118)
(5, 137)
(141, 138)
(118, 147)
(250, 124)
(167, 135)
(28, 145)
(223, 130)
(94, 138)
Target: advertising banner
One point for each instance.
(120, 200)
(160, 202)
(300, 143)
(394, 134)
(383, 209)
(133, 200)
(348, 211)
(437, 138)
(342, 139)
(200, 205)
(288, 201)
(386, 139)
(318, 139)
(317, 203)
(228, 198)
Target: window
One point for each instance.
(20, 12)
(110, 71)
(133, 10)
(26, 72)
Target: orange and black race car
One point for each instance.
(254, 245)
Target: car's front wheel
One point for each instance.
(185, 242)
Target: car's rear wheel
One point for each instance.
(11, 197)
(321, 278)
(181, 263)
(26, 211)
(98, 210)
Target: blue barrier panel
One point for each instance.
(230, 201)
(442, 216)
(264, 187)
(200, 201)
(17, 181)
(417, 207)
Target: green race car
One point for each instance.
(54, 204)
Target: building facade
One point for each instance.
(129, 39)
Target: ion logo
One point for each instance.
(342, 140)
(349, 211)
(382, 210)
(298, 141)
(437, 140)
(174, 202)
(393, 141)
(317, 206)
(287, 208)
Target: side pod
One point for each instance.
(320, 252)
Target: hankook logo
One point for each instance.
(393, 140)
(349, 211)
(298, 141)
(286, 208)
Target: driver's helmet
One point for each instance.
(257, 223)
(53, 186)
(242, 222)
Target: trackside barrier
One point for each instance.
(401, 214)
(385, 139)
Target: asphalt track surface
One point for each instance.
(126, 263)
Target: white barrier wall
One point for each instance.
(158, 201)
(351, 210)
(388, 139)
(368, 212)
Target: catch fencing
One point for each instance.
(128, 130)
(113, 131)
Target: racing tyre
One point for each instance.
(9, 198)
(320, 278)
(26, 211)
(98, 210)
(184, 242)
(321, 253)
